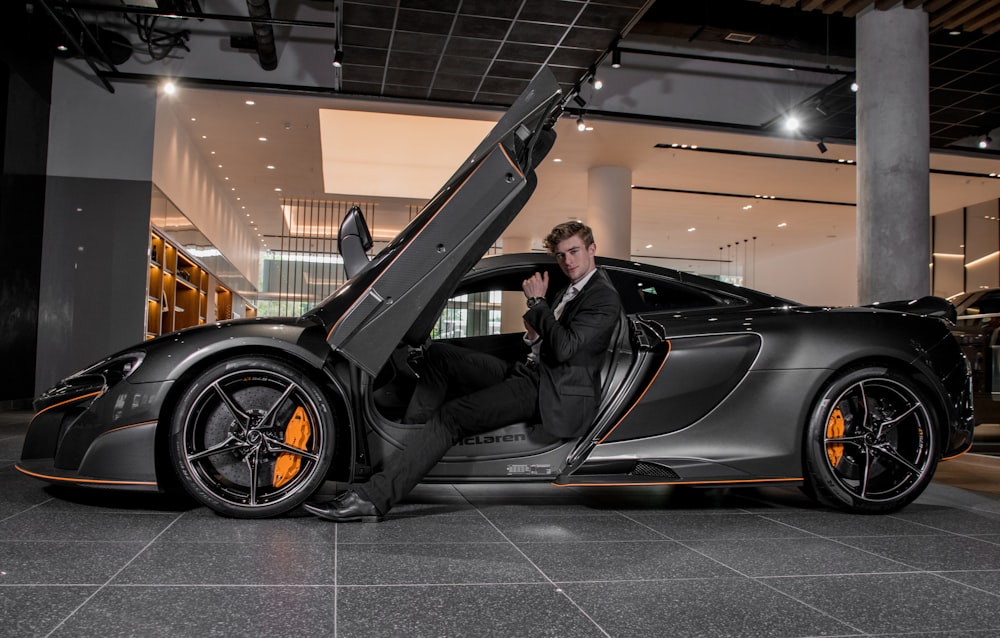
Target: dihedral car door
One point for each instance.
(399, 295)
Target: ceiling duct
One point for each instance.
(263, 32)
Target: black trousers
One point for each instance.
(461, 392)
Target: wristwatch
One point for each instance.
(534, 300)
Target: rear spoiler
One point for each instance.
(928, 306)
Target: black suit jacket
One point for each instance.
(573, 350)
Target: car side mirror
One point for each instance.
(353, 241)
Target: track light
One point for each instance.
(580, 124)
(338, 58)
(616, 59)
(792, 123)
(821, 146)
(984, 142)
(579, 101)
(593, 80)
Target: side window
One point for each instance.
(641, 294)
(988, 304)
(470, 315)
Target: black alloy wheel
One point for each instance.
(252, 437)
(871, 444)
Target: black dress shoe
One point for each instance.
(346, 508)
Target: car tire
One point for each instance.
(252, 437)
(871, 442)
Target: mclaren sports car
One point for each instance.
(704, 383)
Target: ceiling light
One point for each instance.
(691, 230)
(261, 139)
(748, 207)
(616, 59)
(579, 101)
(821, 146)
(854, 87)
(792, 123)
(338, 58)
(649, 245)
(782, 225)
(984, 142)
(169, 87)
(249, 102)
(580, 124)
(277, 190)
(557, 159)
(270, 167)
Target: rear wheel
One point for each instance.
(252, 437)
(871, 444)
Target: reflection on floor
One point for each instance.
(485, 560)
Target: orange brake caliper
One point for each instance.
(835, 430)
(296, 434)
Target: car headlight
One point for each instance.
(114, 369)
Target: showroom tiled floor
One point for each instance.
(487, 560)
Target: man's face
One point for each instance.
(575, 258)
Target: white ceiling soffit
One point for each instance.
(393, 155)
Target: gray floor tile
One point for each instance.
(717, 526)
(607, 561)
(171, 612)
(794, 556)
(24, 613)
(933, 553)
(73, 563)
(418, 529)
(424, 563)
(883, 603)
(210, 528)
(267, 563)
(41, 525)
(511, 611)
(958, 521)
(540, 527)
(986, 580)
(719, 608)
(833, 524)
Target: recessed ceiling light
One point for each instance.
(649, 245)
(748, 207)
(204, 137)
(220, 165)
(691, 230)
(277, 190)
(213, 152)
(262, 139)
(557, 159)
(270, 167)
(249, 102)
(194, 119)
(226, 178)
(782, 225)
(233, 188)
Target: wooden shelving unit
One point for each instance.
(178, 290)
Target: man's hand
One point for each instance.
(536, 285)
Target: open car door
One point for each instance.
(399, 294)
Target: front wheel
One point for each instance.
(871, 443)
(252, 437)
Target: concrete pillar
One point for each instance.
(96, 231)
(609, 210)
(893, 154)
(512, 303)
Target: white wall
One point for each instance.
(824, 276)
(184, 176)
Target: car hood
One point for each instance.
(399, 294)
